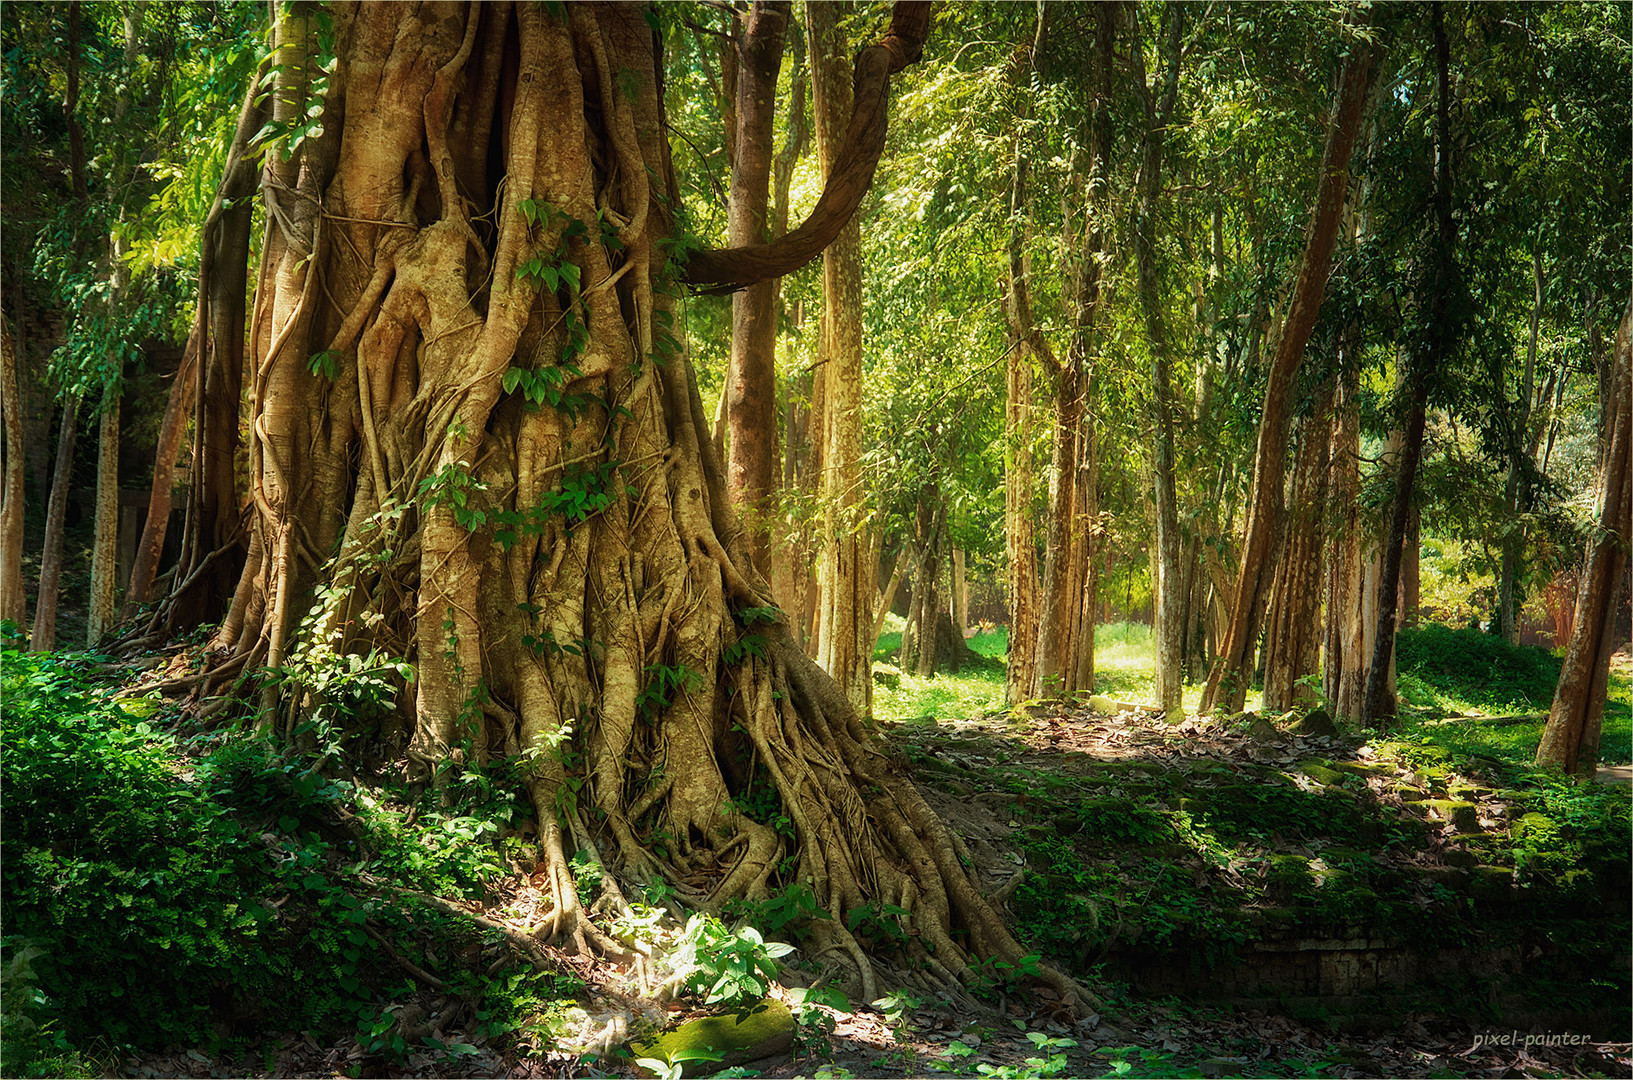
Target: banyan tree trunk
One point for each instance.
(477, 450)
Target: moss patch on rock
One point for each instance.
(763, 1031)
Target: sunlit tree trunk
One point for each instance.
(961, 592)
(1570, 740)
(105, 546)
(1232, 671)
(847, 584)
(751, 378)
(793, 554)
(13, 600)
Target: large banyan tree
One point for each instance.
(477, 457)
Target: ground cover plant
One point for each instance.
(205, 891)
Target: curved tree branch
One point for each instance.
(729, 269)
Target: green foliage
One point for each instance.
(1038, 1065)
(786, 911)
(453, 486)
(584, 491)
(726, 967)
(1470, 666)
(663, 682)
(156, 898)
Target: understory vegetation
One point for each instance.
(166, 886)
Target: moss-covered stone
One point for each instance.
(1461, 857)
(765, 1030)
(1410, 794)
(1464, 815)
(1260, 730)
(1533, 824)
(1320, 772)
(1364, 768)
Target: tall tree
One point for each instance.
(1233, 669)
(508, 459)
(1429, 350)
(1168, 587)
(751, 380)
(848, 581)
(1570, 739)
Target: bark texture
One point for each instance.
(105, 547)
(751, 378)
(510, 462)
(150, 547)
(847, 580)
(1233, 669)
(1570, 740)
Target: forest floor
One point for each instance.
(1001, 780)
(1150, 860)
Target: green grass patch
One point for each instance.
(1468, 666)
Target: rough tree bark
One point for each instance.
(751, 377)
(13, 600)
(1233, 669)
(847, 582)
(565, 574)
(1292, 632)
(1168, 589)
(104, 549)
(1570, 740)
(792, 557)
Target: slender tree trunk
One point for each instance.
(1570, 740)
(1426, 358)
(848, 585)
(791, 559)
(56, 515)
(1168, 595)
(1020, 544)
(1514, 497)
(150, 547)
(13, 600)
(1231, 673)
(961, 593)
(105, 547)
(887, 598)
(751, 380)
